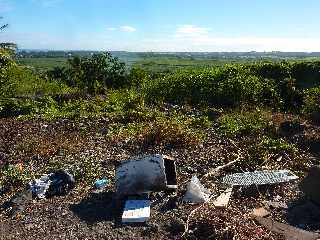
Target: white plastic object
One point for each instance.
(136, 211)
(196, 192)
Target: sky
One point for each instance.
(163, 25)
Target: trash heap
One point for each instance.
(137, 178)
(57, 183)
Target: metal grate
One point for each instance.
(259, 178)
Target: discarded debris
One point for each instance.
(311, 183)
(260, 212)
(196, 192)
(57, 183)
(216, 170)
(275, 204)
(101, 183)
(146, 174)
(136, 211)
(39, 187)
(223, 200)
(288, 231)
(259, 178)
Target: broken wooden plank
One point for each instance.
(216, 170)
(290, 232)
(223, 200)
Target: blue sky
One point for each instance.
(163, 25)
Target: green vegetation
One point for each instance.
(242, 123)
(165, 108)
(43, 64)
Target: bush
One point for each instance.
(236, 124)
(12, 107)
(231, 85)
(95, 73)
(312, 101)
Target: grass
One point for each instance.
(43, 63)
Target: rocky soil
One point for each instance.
(85, 214)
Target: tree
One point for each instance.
(10, 47)
(97, 72)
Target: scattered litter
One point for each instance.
(260, 212)
(216, 170)
(311, 183)
(288, 231)
(275, 204)
(259, 178)
(39, 187)
(146, 174)
(136, 211)
(196, 192)
(223, 200)
(101, 183)
(57, 183)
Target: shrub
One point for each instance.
(312, 100)
(235, 124)
(14, 175)
(95, 73)
(12, 107)
(168, 133)
(138, 76)
(271, 152)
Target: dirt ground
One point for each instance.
(86, 214)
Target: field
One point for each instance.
(163, 62)
(43, 63)
(88, 115)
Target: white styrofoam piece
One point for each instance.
(196, 192)
(136, 211)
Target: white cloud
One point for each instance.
(111, 28)
(230, 44)
(191, 30)
(127, 29)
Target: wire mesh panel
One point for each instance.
(259, 178)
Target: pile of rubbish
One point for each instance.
(137, 178)
(58, 183)
(141, 176)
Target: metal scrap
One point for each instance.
(259, 178)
